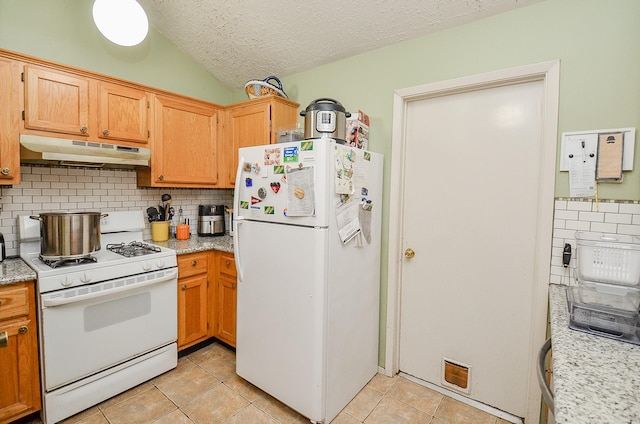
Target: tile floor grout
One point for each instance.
(204, 389)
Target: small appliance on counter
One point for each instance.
(607, 298)
(211, 220)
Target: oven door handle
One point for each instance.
(171, 275)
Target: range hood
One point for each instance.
(60, 151)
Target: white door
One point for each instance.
(476, 209)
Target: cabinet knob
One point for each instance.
(227, 263)
(194, 263)
(23, 329)
(409, 253)
(5, 171)
(1, 302)
(184, 287)
(161, 177)
(83, 130)
(105, 132)
(4, 339)
(233, 286)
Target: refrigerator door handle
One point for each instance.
(236, 251)
(236, 199)
(237, 220)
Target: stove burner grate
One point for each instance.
(58, 262)
(135, 248)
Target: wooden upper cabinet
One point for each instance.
(184, 144)
(254, 123)
(122, 113)
(9, 123)
(56, 101)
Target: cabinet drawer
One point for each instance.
(192, 264)
(14, 302)
(227, 265)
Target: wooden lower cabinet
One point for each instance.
(227, 296)
(193, 299)
(19, 365)
(206, 298)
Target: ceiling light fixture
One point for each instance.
(123, 22)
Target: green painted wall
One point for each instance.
(63, 31)
(597, 42)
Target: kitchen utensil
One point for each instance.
(69, 235)
(152, 213)
(325, 118)
(161, 213)
(171, 212)
(164, 212)
(3, 250)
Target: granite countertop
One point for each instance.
(595, 379)
(198, 244)
(14, 270)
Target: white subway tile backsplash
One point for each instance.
(600, 227)
(591, 216)
(50, 189)
(575, 205)
(605, 207)
(563, 214)
(618, 218)
(633, 230)
(578, 225)
(632, 208)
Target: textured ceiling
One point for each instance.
(239, 40)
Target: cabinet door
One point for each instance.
(192, 310)
(248, 125)
(123, 113)
(9, 144)
(184, 143)
(20, 388)
(227, 295)
(56, 102)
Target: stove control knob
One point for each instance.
(146, 266)
(86, 278)
(65, 282)
(160, 264)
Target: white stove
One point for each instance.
(108, 321)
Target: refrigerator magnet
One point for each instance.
(262, 193)
(248, 182)
(269, 210)
(275, 186)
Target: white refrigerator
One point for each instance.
(307, 248)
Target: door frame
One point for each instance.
(549, 73)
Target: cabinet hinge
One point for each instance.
(148, 104)
(23, 115)
(22, 76)
(148, 134)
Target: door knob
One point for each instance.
(409, 253)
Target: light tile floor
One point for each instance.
(204, 389)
